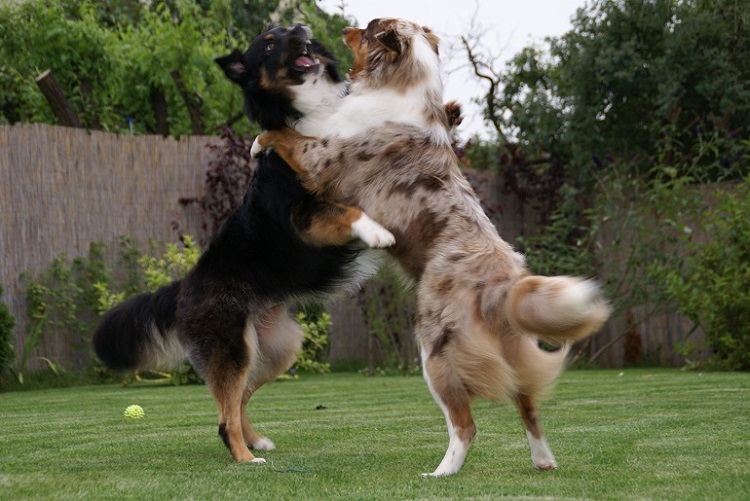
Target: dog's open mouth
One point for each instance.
(305, 64)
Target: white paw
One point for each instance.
(546, 465)
(440, 472)
(263, 444)
(258, 461)
(256, 149)
(541, 455)
(372, 233)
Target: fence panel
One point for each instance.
(63, 188)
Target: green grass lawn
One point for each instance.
(634, 434)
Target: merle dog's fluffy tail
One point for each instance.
(557, 309)
(140, 333)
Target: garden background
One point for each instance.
(618, 150)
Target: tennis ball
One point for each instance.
(134, 412)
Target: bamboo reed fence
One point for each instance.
(64, 188)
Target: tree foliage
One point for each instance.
(630, 79)
(613, 129)
(712, 285)
(145, 67)
(641, 73)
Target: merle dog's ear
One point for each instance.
(390, 40)
(234, 67)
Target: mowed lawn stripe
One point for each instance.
(632, 434)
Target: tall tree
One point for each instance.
(642, 80)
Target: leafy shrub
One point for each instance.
(315, 325)
(63, 300)
(227, 179)
(713, 286)
(152, 273)
(7, 352)
(388, 308)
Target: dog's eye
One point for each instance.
(269, 46)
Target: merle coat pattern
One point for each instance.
(480, 310)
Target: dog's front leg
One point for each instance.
(311, 158)
(288, 143)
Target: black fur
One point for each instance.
(272, 110)
(256, 262)
(136, 317)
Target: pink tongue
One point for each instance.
(304, 61)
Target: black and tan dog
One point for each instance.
(230, 315)
(480, 311)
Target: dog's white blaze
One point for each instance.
(376, 108)
(541, 455)
(456, 454)
(372, 233)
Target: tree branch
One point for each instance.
(489, 98)
(56, 99)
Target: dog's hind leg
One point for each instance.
(455, 402)
(253, 439)
(228, 394)
(279, 339)
(541, 455)
(226, 368)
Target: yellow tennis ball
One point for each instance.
(134, 412)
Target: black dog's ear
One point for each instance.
(233, 66)
(390, 40)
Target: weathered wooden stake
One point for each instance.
(56, 100)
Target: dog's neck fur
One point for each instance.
(316, 99)
(368, 105)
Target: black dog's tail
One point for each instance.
(140, 333)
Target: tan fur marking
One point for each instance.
(529, 415)
(455, 398)
(228, 395)
(248, 431)
(353, 39)
(279, 83)
(333, 227)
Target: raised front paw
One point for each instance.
(373, 234)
